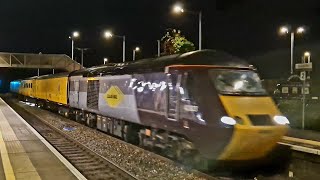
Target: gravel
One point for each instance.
(140, 162)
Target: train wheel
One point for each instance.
(199, 162)
(130, 134)
(174, 151)
(91, 120)
(77, 116)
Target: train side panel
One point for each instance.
(57, 90)
(74, 82)
(28, 88)
(116, 97)
(41, 89)
(83, 93)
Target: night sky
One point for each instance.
(241, 27)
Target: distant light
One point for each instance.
(284, 30)
(301, 30)
(307, 54)
(137, 49)
(75, 34)
(108, 34)
(228, 120)
(178, 8)
(282, 120)
(105, 60)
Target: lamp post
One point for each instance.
(108, 35)
(307, 55)
(286, 30)
(134, 53)
(74, 35)
(159, 47)
(82, 51)
(105, 60)
(178, 9)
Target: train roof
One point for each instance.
(202, 57)
(48, 76)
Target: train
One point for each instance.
(199, 106)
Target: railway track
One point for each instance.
(90, 164)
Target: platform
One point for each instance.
(26, 155)
(303, 140)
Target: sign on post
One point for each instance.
(304, 66)
(303, 75)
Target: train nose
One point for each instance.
(258, 129)
(252, 142)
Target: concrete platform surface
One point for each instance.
(26, 155)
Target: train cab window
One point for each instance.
(236, 82)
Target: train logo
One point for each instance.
(113, 96)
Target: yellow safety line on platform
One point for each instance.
(7, 167)
(62, 159)
(305, 141)
(6, 130)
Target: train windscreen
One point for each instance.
(241, 82)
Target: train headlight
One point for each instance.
(228, 120)
(282, 120)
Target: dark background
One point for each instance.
(245, 28)
(242, 27)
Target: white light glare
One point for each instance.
(108, 34)
(300, 30)
(228, 120)
(307, 54)
(178, 9)
(284, 30)
(238, 85)
(75, 34)
(282, 120)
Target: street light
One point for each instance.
(109, 34)
(82, 51)
(307, 55)
(286, 30)
(74, 35)
(300, 30)
(137, 49)
(178, 9)
(105, 60)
